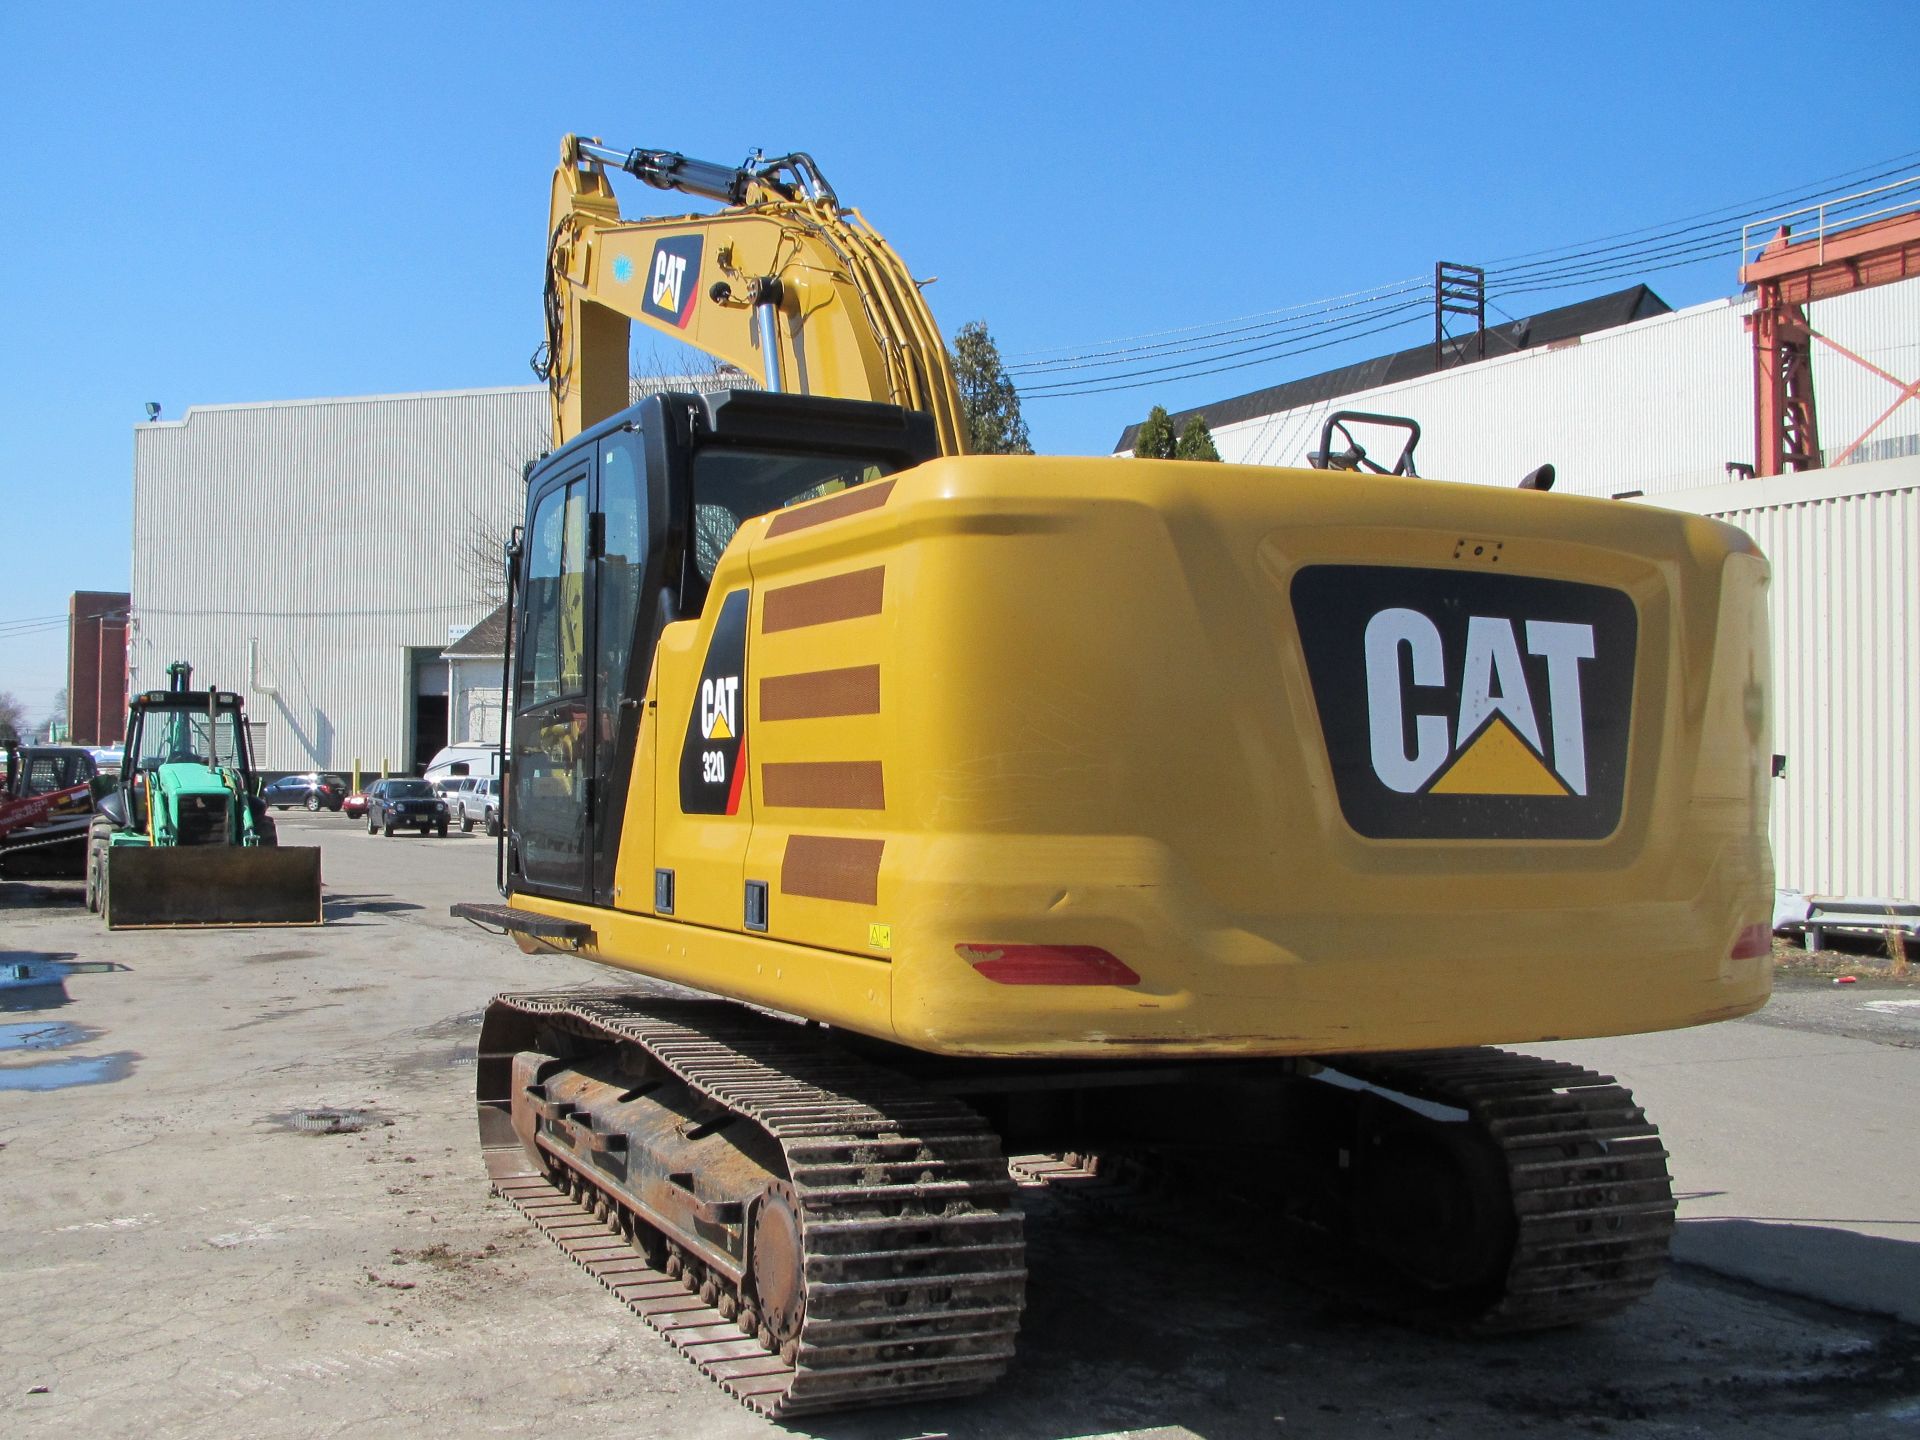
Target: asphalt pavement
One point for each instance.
(243, 1199)
(1795, 1140)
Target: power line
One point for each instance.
(1275, 341)
(1219, 326)
(1299, 318)
(1892, 165)
(1264, 336)
(1067, 389)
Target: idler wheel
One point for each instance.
(778, 1268)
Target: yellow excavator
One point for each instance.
(1201, 823)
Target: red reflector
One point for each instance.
(1753, 942)
(1047, 965)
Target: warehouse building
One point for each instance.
(1630, 399)
(1621, 394)
(319, 555)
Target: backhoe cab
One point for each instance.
(183, 838)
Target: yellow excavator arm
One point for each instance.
(785, 283)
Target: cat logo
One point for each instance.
(720, 708)
(1459, 705)
(1499, 749)
(713, 757)
(673, 278)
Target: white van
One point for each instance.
(459, 761)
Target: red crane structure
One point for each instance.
(1787, 274)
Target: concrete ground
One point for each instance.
(181, 1257)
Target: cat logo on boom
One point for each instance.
(673, 279)
(1469, 706)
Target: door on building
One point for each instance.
(427, 684)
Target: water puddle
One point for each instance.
(44, 1035)
(67, 1072)
(39, 982)
(29, 982)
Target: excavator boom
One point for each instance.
(786, 284)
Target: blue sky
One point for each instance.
(208, 204)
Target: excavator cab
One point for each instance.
(624, 529)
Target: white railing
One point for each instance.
(1822, 228)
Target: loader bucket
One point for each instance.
(154, 887)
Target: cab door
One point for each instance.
(592, 556)
(552, 768)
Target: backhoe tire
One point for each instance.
(269, 832)
(98, 840)
(313, 802)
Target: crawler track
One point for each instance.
(1591, 1205)
(911, 1244)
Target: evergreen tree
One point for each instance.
(1196, 442)
(989, 405)
(1154, 439)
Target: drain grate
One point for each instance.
(326, 1120)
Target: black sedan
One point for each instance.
(405, 805)
(309, 792)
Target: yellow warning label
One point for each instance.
(1498, 763)
(880, 937)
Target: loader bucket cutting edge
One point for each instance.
(205, 885)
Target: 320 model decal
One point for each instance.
(713, 756)
(1470, 706)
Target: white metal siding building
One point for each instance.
(318, 556)
(1655, 406)
(1845, 548)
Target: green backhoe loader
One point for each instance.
(183, 839)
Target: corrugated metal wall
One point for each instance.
(1844, 544)
(1657, 406)
(296, 551)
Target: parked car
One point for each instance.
(405, 804)
(477, 802)
(310, 792)
(355, 805)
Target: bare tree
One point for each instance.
(13, 719)
(483, 556)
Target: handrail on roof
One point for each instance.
(1821, 228)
